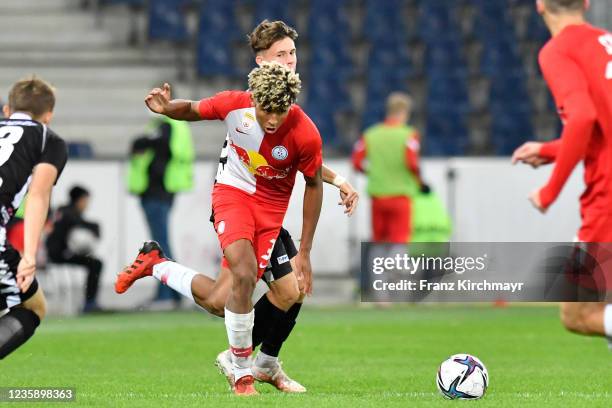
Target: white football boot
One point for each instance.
(278, 378)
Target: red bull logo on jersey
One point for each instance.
(256, 164)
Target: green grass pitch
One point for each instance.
(349, 357)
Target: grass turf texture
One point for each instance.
(345, 357)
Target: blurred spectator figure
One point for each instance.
(161, 165)
(388, 153)
(73, 240)
(430, 219)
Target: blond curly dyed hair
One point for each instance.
(274, 87)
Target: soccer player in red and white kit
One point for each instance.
(277, 310)
(577, 66)
(270, 139)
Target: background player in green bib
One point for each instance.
(161, 165)
(388, 153)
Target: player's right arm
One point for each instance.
(349, 197)
(571, 91)
(159, 101)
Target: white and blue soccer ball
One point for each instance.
(462, 376)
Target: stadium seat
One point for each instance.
(218, 20)
(499, 57)
(444, 55)
(448, 92)
(330, 60)
(273, 10)
(511, 126)
(167, 21)
(323, 117)
(435, 22)
(392, 58)
(328, 20)
(329, 92)
(446, 133)
(80, 150)
(214, 58)
(536, 29)
(384, 22)
(509, 88)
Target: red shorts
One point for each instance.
(239, 215)
(596, 254)
(391, 219)
(596, 228)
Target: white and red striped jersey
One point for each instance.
(257, 162)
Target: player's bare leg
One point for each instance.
(212, 294)
(586, 317)
(20, 323)
(239, 313)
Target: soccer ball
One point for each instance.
(462, 376)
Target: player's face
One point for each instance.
(282, 51)
(269, 121)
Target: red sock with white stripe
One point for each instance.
(177, 276)
(239, 333)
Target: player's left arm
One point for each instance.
(44, 177)
(310, 162)
(313, 200)
(571, 91)
(349, 197)
(36, 209)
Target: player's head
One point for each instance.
(33, 96)
(274, 41)
(274, 88)
(561, 7)
(398, 107)
(79, 198)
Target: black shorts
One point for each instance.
(10, 294)
(284, 250)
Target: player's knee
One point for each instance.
(38, 306)
(289, 296)
(245, 277)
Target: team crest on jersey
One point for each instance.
(248, 120)
(280, 153)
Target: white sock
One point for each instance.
(608, 324)
(265, 361)
(177, 276)
(240, 335)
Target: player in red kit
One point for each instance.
(270, 139)
(577, 66)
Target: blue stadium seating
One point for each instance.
(392, 58)
(214, 58)
(384, 23)
(331, 60)
(136, 3)
(323, 117)
(218, 21)
(273, 10)
(445, 134)
(167, 20)
(329, 92)
(327, 21)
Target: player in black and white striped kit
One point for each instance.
(32, 158)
